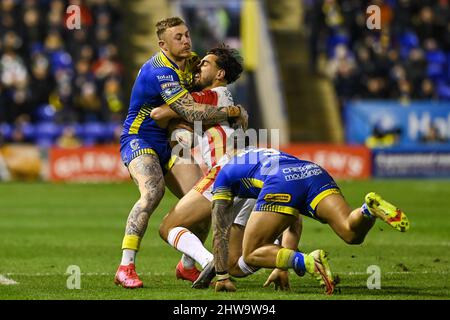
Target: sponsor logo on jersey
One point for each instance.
(165, 78)
(168, 92)
(277, 197)
(170, 84)
(301, 172)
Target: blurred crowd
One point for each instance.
(60, 85)
(408, 58)
(213, 23)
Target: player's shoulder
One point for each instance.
(206, 97)
(224, 96)
(156, 67)
(148, 71)
(222, 91)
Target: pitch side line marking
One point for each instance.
(7, 281)
(351, 273)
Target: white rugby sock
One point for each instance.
(185, 241)
(245, 268)
(128, 256)
(188, 262)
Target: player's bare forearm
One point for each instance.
(192, 111)
(222, 219)
(162, 115)
(163, 112)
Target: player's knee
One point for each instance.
(239, 269)
(163, 232)
(164, 228)
(353, 239)
(249, 258)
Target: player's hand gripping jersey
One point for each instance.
(280, 182)
(159, 81)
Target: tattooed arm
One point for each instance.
(191, 111)
(222, 219)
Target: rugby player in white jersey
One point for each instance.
(186, 226)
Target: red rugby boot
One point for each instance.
(186, 274)
(127, 277)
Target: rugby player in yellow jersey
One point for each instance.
(144, 146)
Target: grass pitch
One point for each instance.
(45, 228)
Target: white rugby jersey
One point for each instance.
(213, 142)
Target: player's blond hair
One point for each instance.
(163, 25)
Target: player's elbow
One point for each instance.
(157, 114)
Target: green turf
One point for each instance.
(44, 228)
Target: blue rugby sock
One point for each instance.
(365, 211)
(297, 262)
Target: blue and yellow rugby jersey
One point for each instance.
(279, 181)
(159, 81)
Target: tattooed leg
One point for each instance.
(146, 172)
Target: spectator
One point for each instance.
(409, 58)
(88, 103)
(433, 135)
(75, 73)
(427, 90)
(112, 100)
(68, 139)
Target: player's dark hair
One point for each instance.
(229, 60)
(163, 25)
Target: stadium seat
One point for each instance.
(28, 130)
(436, 65)
(44, 142)
(110, 129)
(79, 128)
(334, 40)
(443, 91)
(436, 56)
(45, 112)
(407, 41)
(94, 132)
(5, 130)
(448, 67)
(436, 72)
(46, 133)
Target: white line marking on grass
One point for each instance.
(51, 274)
(6, 281)
(92, 274)
(351, 273)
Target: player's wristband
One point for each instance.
(221, 277)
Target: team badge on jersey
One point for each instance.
(134, 144)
